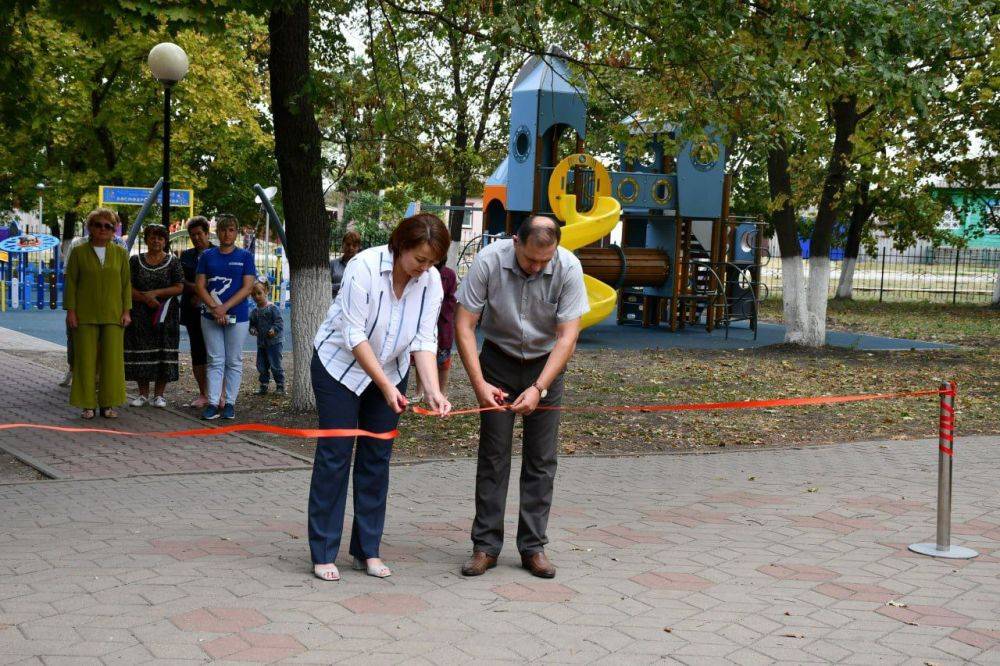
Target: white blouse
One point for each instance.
(366, 308)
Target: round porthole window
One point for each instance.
(662, 192)
(522, 143)
(705, 155)
(628, 190)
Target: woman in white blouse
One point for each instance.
(387, 308)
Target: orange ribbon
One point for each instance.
(307, 433)
(707, 406)
(315, 433)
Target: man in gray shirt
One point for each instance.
(528, 295)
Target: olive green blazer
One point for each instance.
(98, 293)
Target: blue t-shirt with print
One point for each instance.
(224, 277)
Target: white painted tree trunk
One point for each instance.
(454, 251)
(310, 293)
(816, 300)
(845, 287)
(793, 293)
(996, 290)
(805, 300)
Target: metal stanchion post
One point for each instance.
(946, 450)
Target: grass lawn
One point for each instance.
(651, 377)
(656, 377)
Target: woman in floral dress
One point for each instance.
(152, 339)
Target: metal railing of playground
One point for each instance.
(37, 282)
(944, 275)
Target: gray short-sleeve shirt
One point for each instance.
(520, 313)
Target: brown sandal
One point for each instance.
(109, 412)
(87, 414)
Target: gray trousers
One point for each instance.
(538, 464)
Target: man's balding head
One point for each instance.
(540, 231)
(537, 241)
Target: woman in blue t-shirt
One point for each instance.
(224, 277)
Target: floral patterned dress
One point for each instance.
(152, 339)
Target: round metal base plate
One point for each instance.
(953, 553)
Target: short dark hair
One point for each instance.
(156, 230)
(419, 229)
(543, 235)
(198, 221)
(351, 235)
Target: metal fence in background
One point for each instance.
(944, 275)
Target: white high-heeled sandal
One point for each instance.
(327, 572)
(379, 571)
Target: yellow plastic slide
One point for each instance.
(585, 228)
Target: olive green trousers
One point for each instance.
(98, 349)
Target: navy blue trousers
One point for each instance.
(269, 363)
(339, 407)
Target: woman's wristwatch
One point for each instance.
(541, 392)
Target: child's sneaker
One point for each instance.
(262, 390)
(229, 411)
(211, 413)
(280, 390)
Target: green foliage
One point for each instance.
(94, 113)
(372, 216)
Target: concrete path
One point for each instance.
(772, 556)
(31, 394)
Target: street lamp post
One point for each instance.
(41, 210)
(169, 64)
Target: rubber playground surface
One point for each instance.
(48, 325)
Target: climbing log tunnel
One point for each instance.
(626, 267)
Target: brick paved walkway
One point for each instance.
(794, 556)
(31, 394)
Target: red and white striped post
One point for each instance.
(946, 454)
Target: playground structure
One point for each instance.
(28, 270)
(683, 258)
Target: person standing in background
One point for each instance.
(97, 300)
(224, 277)
(197, 228)
(350, 246)
(268, 327)
(446, 331)
(152, 339)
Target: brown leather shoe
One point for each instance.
(538, 565)
(478, 564)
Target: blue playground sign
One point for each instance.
(136, 196)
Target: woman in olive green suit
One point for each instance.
(97, 299)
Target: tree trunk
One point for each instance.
(297, 147)
(793, 287)
(861, 212)
(460, 184)
(103, 81)
(844, 112)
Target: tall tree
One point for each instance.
(297, 146)
(92, 118)
(453, 86)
